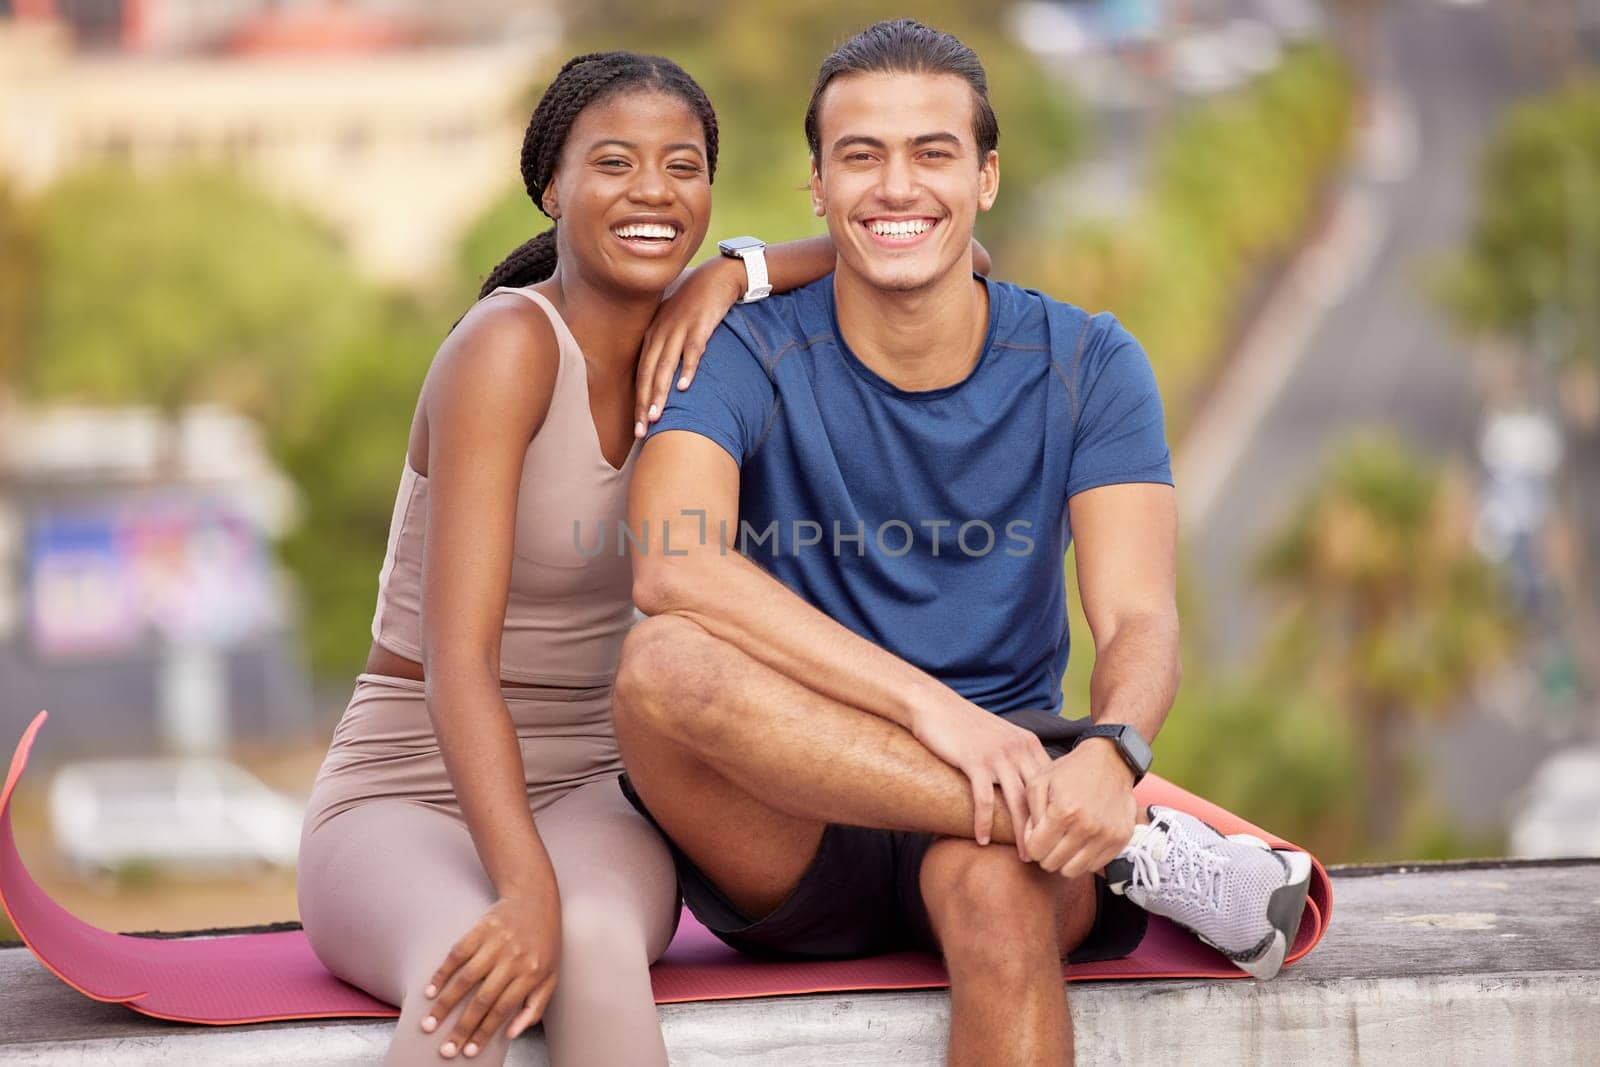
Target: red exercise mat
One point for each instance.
(252, 978)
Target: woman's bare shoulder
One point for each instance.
(500, 361)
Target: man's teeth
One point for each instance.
(906, 228)
(658, 230)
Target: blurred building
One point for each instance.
(398, 122)
(139, 600)
(193, 25)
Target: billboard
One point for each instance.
(106, 576)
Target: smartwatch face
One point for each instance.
(734, 245)
(1136, 747)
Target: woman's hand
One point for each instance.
(511, 956)
(679, 332)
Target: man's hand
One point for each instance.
(1082, 810)
(990, 752)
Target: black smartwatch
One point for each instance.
(1133, 749)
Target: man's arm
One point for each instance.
(1127, 549)
(1126, 537)
(696, 571)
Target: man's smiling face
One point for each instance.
(900, 179)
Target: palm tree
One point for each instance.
(1387, 608)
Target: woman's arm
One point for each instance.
(700, 299)
(486, 396)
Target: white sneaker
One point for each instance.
(1234, 893)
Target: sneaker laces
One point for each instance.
(1195, 871)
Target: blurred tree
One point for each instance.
(1270, 752)
(344, 451)
(19, 272)
(1532, 262)
(1530, 273)
(1234, 183)
(186, 287)
(508, 222)
(1388, 610)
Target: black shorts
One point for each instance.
(862, 896)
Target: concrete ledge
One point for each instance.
(1461, 964)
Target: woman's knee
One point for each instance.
(605, 932)
(384, 942)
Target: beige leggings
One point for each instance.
(389, 878)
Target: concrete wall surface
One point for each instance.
(1459, 964)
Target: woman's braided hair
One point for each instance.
(581, 82)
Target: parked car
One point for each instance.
(198, 814)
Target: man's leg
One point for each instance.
(743, 767)
(1003, 927)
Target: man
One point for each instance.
(851, 532)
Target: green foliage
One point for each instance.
(758, 63)
(190, 286)
(19, 275)
(1387, 611)
(511, 220)
(1271, 754)
(344, 452)
(1234, 183)
(1535, 243)
(1386, 604)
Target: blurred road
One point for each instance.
(1364, 346)
(1377, 353)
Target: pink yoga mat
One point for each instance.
(261, 977)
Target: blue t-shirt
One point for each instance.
(932, 523)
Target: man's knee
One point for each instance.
(666, 668)
(989, 909)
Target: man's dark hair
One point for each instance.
(906, 46)
(582, 81)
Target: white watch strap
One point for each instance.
(757, 284)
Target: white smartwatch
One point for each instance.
(753, 251)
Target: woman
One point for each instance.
(467, 854)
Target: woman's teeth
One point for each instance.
(655, 231)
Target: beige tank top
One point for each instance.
(571, 597)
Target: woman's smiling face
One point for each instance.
(632, 191)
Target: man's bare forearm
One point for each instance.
(1136, 673)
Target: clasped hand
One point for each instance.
(1071, 816)
(510, 955)
(1081, 810)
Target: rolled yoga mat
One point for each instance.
(250, 978)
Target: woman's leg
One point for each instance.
(619, 907)
(385, 889)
